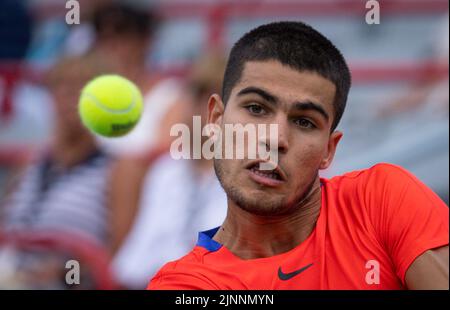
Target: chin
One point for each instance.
(259, 203)
(264, 209)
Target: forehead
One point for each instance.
(288, 84)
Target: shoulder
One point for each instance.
(184, 273)
(385, 189)
(394, 181)
(373, 177)
(382, 185)
(389, 172)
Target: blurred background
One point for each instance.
(122, 207)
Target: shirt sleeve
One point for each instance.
(169, 278)
(408, 217)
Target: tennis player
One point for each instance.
(378, 228)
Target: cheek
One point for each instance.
(228, 171)
(308, 157)
(231, 166)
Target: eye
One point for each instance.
(304, 123)
(255, 109)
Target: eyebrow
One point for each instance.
(261, 92)
(308, 105)
(302, 106)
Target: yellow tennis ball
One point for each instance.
(110, 105)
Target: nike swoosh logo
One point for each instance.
(287, 276)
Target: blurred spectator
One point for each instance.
(124, 34)
(65, 189)
(178, 197)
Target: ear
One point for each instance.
(216, 109)
(333, 141)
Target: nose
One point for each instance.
(282, 134)
(276, 136)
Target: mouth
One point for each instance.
(272, 178)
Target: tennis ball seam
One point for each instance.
(107, 109)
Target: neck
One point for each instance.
(68, 151)
(251, 236)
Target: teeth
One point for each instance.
(267, 174)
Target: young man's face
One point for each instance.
(301, 104)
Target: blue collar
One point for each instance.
(205, 240)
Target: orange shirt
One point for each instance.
(372, 225)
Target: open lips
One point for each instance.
(272, 177)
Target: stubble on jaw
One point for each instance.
(263, 207)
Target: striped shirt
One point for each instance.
(72, 201)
